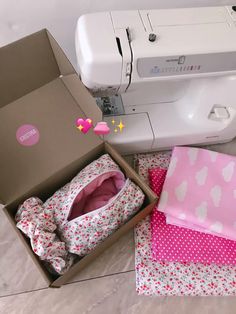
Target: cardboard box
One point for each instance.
(41, 96)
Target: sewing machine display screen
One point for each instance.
(186, 64)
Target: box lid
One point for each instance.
(41, 96)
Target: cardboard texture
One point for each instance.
(38, 86)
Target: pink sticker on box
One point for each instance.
(27, 135)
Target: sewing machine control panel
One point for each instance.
(189, 64)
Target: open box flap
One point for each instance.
(40, 88)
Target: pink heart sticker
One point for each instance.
(84, 125)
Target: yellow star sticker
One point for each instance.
(89, 121)
(113, 121)
(80, 127)
(121, 126)
(115, 130)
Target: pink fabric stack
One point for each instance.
(195, 220)
(173, 278)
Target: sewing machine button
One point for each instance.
(221, 113)
(152, 37)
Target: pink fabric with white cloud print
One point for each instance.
(200, 191)
(85, 211)
(173, 243)
(166, 278)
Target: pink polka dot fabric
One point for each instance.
(156, 179)
(178, 244)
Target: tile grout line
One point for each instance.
(23, 292)
(98, 277)
(69, 283)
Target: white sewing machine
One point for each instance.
(174, 69)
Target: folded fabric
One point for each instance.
(38, 224)
(143, 162)
(172, 243)
(156, 179)
(199, 191)
(85, 211)
(174, 278)
(163, 278)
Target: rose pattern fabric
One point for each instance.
(174, 278)
(40, 222)
(62, 200)
(83, 234)
(177, 279)
(143, 162)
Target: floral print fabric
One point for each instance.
(37, 222)
(177, 279)
(82, 234)
(164, 278)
